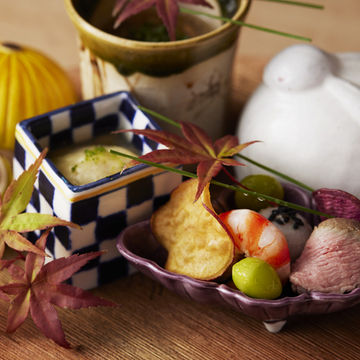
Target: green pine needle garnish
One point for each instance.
(256, 27)
(236, 22)
(298, 3)
(159, 116)
(218, 183)
(283, 176)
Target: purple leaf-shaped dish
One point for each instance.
(139, 246)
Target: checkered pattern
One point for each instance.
(101, 214)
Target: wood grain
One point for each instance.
(153, 323)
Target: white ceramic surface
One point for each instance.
(307, 115)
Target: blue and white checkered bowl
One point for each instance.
(102, 208)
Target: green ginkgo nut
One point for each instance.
(260, 183)
(256, 278)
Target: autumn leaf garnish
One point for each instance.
(13, 221)
(167, 10)
(332, 202)
(195, 147)
(39, 287)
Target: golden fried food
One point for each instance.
(198, 245)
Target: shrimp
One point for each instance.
(256, 236)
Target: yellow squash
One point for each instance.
(5, 174)
(30, 84)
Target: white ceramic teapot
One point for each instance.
(307, 115)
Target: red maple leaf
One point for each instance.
(196, 147)
(167, 10)
(39, 287)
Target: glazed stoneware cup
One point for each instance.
(183, 80)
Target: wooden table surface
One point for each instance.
(153, 323)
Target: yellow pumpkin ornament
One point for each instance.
(30, 84)
(5, 173)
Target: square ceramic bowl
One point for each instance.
(102, 208)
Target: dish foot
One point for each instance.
(274, 326)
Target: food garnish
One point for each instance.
(283, 215)
(333, 202)
(168, 11)
(195, 147)
(37, 286)
(13, 221)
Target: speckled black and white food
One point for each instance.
(295, 228)
(330, 261)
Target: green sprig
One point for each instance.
(277, 173)
(313, 6)
(256, 27)
(159, 116)
(218, 183)
(241, 23)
